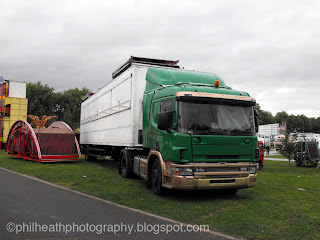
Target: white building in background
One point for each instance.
(267, 133)
(269, 130)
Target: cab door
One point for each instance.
(162, 140)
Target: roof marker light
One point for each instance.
(216, 83)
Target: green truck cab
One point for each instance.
(201, 132)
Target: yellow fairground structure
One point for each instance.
(13, 106)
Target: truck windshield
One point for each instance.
(215, 119)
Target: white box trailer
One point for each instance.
(113, 115)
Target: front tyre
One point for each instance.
(156, 178)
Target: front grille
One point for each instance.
(222, 169)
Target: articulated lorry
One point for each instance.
(175, 128)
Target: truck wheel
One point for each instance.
(156, 178)
(124, 168)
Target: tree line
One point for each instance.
(43, 100)
(299, 123)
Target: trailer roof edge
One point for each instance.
(150, 61)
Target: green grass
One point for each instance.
(275, 156)
(278, 156)
(274, 209)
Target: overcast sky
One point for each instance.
(271, 49)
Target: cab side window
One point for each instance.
(154, 113)
(168, 106)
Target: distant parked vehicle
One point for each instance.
(278, 144)
(306, 154)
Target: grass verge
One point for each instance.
(276, 156)
(274, 209)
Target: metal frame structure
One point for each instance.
(23, 143)
(40, 123)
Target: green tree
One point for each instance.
(68, 104)
(281, 117)
(306, 123)
(265, 117)
(316, 125)
(287, 149)
(41, 99)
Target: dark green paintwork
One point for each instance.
(163, 84)
(224, 145)
(160, 77)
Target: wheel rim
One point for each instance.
(123, 167)
(155, 178)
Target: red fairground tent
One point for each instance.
(52, 144)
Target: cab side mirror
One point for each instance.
(256, 124)
(256, 120)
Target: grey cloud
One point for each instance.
(254, 46)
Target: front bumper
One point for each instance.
(190, 182)
(215, 176)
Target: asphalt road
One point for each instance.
(33, 209)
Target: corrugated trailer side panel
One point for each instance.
(106, 116)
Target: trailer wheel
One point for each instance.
(156, 178)
(88, 157)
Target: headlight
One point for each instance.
(252, 169)
(182, 171)
(186, 172)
